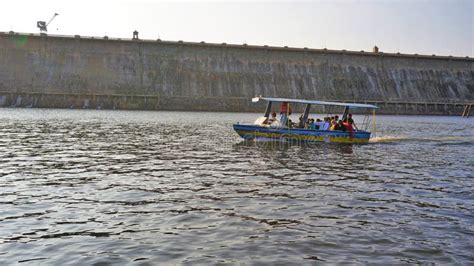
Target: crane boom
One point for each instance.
(55, 14)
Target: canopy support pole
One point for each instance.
(288, 116)
(269, 108)
(346, 112)
(306, 113)
(373, 123)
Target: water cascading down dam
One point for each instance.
(104, 73)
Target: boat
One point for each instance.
(271, 129)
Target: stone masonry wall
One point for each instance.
(199, 76)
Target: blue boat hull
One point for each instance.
(298, 134)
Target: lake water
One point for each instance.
(133, 187)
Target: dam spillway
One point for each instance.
(100, 72)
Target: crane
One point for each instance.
(43, 26)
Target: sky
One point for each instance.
(441, 27)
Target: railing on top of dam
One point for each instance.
(239, 46)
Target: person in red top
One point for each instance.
(285, 111)
(348, 125)
(285, 108)
(351, 121)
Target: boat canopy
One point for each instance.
(350, 105)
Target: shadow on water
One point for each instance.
(312, 150)
(286, 145)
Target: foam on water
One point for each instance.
(449, 139)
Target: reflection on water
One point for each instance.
(87, 187)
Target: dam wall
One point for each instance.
(100, 72)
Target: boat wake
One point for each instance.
(439, 139)
(386, 139)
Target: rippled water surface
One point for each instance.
(120, 187)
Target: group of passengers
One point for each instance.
(328, 123)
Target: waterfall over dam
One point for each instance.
(100, 72)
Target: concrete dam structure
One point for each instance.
(103, 73)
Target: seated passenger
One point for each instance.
(340, 126)
(273, 118)
(326, 124)
(291, 124)
(319, 124)
(333, 125)
(311, 124)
